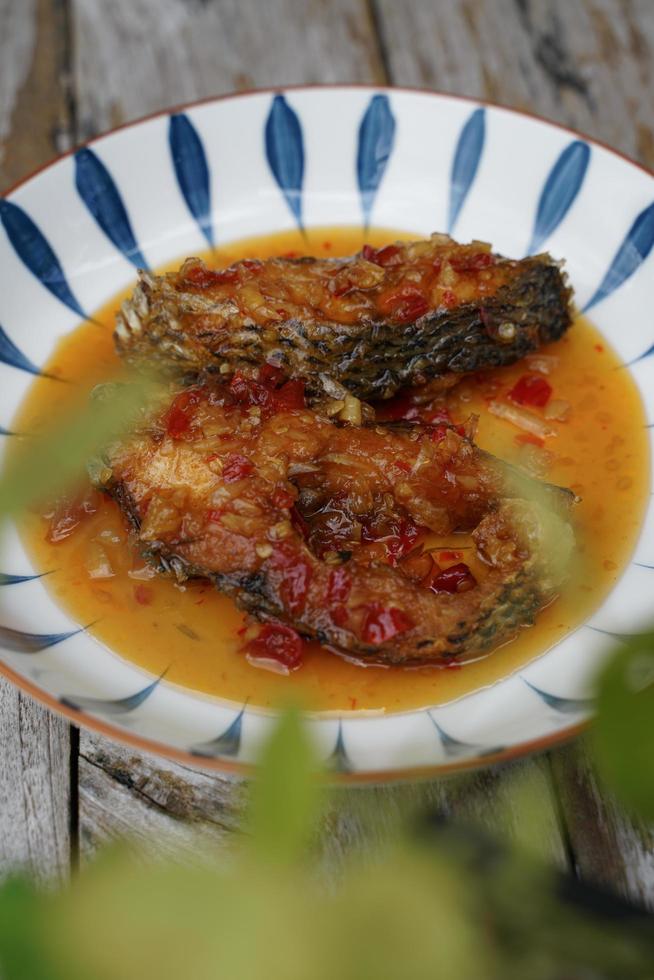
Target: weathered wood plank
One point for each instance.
(136, 56)
(161, 805)
(34, 107)
(587, 64)
(34, 788)
(607, 846)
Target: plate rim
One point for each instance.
(81, 718)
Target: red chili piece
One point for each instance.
(299, 523)
(279, 643)
(531, 389)
(247, 391)
(295, 577)
(400, 407)
(143, 595)
(282, 499)
(404, 407)
(179, 417)
(265, 392)
(404, 304)
(339, 616)
(438, 432)
(456, 578)
(236, 468)
(450, 555)
(381, 256)
(271, 374)
(382, 623)
(338, 585)
(203, 278)
(404, 541)
(289, 396)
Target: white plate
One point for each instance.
(262, 162)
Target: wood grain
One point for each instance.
(161, 805)
(606, 845)
(135, 56)
(588, 64)
(34, 788)
(35, 111)
(35, 746)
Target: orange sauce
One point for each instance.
(600, 451)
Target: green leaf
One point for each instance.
(285, 792)
(623, 735)
(22, 954)
(47, 463)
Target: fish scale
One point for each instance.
(479, 318)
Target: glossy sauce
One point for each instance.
(600, 451)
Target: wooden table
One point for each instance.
(72, 68)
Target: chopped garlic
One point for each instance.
(351, 411)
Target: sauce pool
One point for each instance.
(600, 451)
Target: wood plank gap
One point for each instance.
(380, 38)
(73, 824)
(560, 814)
(67, 70)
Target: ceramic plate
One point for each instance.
(263, 162)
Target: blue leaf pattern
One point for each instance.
(641, 357)
(119, 706)
(9, 354)
(226, 744)
(192, 171)
(453, 747)
(634, 250)
(35, 252)
(19, 642)
(566, 706)
(376, 138)
(339, 760)
(467, 156)
(6, 579)
(561, 188)
(622, 637)
(285, 153)
(97, 189)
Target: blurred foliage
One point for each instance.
(623, 736)
(438, 903)
(285, 796)
(433, 904)
(47, 463)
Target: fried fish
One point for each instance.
(324, 527)
(367, 325)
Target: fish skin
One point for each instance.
(197, 327)
(184, 478)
